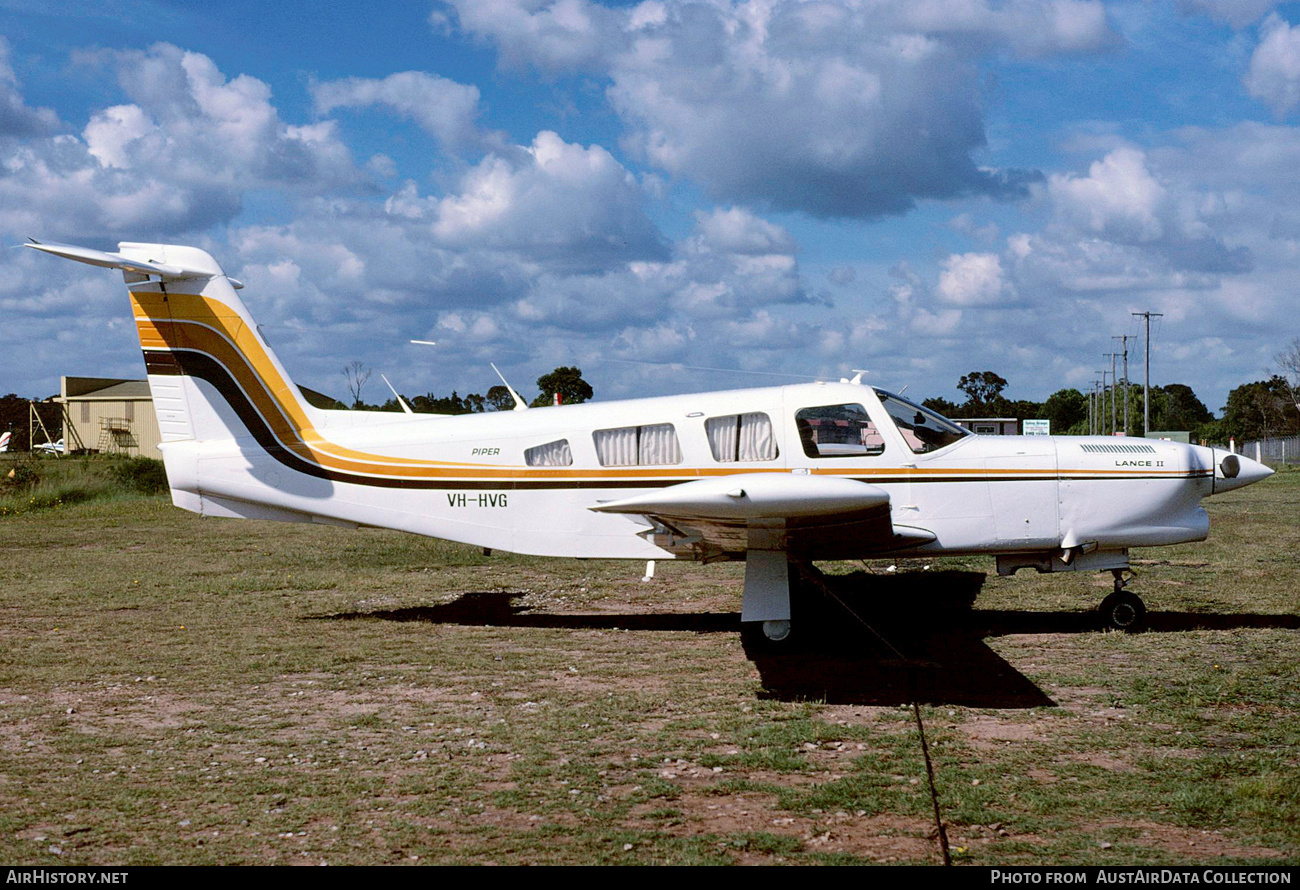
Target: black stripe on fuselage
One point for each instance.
(204, 367)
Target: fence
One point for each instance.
(1284, 450)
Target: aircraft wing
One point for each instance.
(815, 517)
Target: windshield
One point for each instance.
(922, 429)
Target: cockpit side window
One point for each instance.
(838, 431)
(922, 429)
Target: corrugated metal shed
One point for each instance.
(109, 415)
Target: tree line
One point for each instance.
(564, 382)
(1259, 409)
(1256, 410)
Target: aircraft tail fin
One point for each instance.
(211, 374)
(4, 441)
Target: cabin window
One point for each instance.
(838, 431)
(737, 437)
(552, 454)
(632, 446)
(922, 429)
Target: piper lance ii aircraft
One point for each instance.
(778, 477)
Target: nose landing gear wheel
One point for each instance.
(1124, 611)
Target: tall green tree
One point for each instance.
(565, 381)
(1176, 407)
(982, 388)
(499, 399)
(1259, 410)
(1067, 409)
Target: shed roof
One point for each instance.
(111, 388)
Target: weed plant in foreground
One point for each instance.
(182, 690)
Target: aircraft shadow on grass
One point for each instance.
(922, 639)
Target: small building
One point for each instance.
(989, 426)
(109, 416)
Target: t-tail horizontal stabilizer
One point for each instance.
(94, 257)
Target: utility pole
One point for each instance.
(1096, 401)
(1114, 383)
(1101, 412)
(1146, 377)
(1123, 338)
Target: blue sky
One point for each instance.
(920, 189)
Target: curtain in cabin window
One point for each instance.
(658, 445)
(632, 446)
(552, 454)
(738, 437)
(616, 448)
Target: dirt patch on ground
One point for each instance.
(742, 821)
(1199, 845)
(984, 731)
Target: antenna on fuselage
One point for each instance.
(520, 404)
(857, 376)
(401, 401)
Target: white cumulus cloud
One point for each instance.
(553, 202)
(446, 110)
(974, 279)
(17, 118)
(852, 108)
(1274, 75)
(178, 157)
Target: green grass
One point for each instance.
(29, 483)
(180, 690)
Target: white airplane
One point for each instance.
(4, 441)
(49, 447)
(777, 477)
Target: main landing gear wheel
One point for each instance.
(776, 631)
(767, 638)
(1124, 611)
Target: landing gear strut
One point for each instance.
(1123, 610)
(793, 619)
